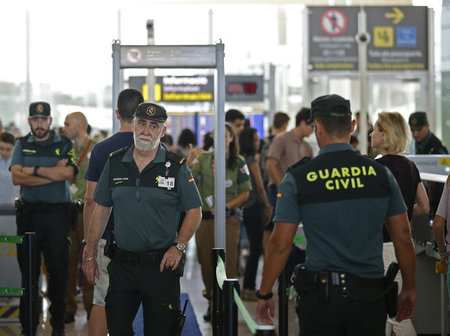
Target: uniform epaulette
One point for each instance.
(117, 152)
(175, 157)
(300, 162)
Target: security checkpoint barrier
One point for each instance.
(29, 292)
(227, 302)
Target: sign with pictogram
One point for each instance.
(134, 55)
(333, 22)
(399, 38)
(332, 44)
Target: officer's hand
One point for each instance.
(265, 311)
(62, 162)
(171, 259)
(268, 215)
(406, 305)
(212, 211)
(90, 270)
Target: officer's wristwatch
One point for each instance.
(180, 246)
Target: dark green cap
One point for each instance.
(417, 120)
(39, 110)
(151, 111)
(323, 106)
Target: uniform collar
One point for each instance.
(422, 145)
(335, 147)
(54, 137)
(159, 157)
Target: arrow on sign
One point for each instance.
(397, 15)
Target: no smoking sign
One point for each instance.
(333, 22)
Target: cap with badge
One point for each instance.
(323, 106)
(39, 110)
(151, 111)
(417, 120)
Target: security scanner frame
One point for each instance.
(183, 56)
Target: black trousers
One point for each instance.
(52, 230)
(131, 284)
(353, 315)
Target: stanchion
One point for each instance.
(283, 304)
(217, 302)
(230, 308)
(30, 291)
(265, 330)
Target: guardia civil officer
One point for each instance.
(148, 187)
(343, 200)
(43, 163)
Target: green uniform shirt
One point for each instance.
(147, 205)
(343, 205)
(78, 184)
(236, 180)
(29, 153)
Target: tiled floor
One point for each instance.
(191, 284)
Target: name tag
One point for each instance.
(166, 182)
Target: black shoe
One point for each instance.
(58, 332)
(207, 316)
(68, 318)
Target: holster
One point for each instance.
(74, 209)
(391, 289)
(109, 248)
(21, 207)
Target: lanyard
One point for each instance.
(84, 153)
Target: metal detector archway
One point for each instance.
(184, 56)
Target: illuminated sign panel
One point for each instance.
(244, 88)
(184, 88)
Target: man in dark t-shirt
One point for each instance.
(127, 102)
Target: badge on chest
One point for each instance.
(166, 182)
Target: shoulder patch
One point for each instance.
(119, 151)
(299, 163)
(175, 157)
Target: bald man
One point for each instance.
(75, 128)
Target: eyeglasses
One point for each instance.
(153, 125)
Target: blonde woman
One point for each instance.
(391, 136)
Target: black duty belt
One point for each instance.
(46, 207)
(134, 257)
(209, 215)
(343, 279)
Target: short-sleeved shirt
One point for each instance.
(444, 210)
(78, 184)
(146, 207)
(344, 233)
(97, 161)
(288, 149)
(29, 153)
(431, 145)
(407, 176)
(236, 180)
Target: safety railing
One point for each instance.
(227, 302)
(28, 292)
